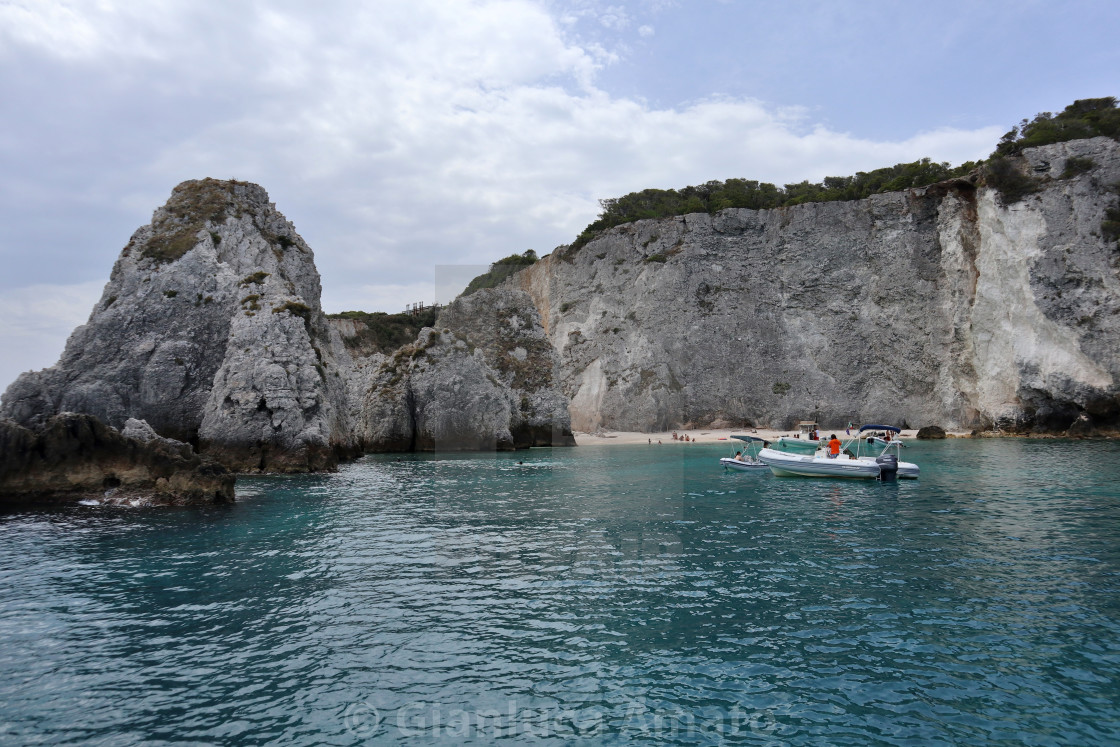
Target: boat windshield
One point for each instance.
(872, 445)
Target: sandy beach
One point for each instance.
(700, 435)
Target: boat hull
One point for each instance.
(732, 463)
(791, 465)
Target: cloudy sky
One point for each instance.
(406, 137)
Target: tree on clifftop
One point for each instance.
(1083, 118)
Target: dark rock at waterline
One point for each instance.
(931, 432)
(73, 457)
(1085, 426)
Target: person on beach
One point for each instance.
(833, 447)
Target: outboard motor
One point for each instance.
(888, 466)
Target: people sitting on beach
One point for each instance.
(833, 447)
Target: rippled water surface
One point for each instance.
(591, 595)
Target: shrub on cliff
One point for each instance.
(1110, 226)
(501, 270)
(194, 205)
(1083, 118)
(713, 196)
(384, 333)
(1004, 176)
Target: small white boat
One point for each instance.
(748, 460)
(805, 461)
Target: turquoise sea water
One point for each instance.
(590, 596)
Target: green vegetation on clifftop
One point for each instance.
(193, 206)
(501, 270)
(1082, 119)
(380, 332)
(713, 196)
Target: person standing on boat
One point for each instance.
(833, 447)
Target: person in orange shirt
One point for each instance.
(833, 447)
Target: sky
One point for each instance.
(413, 142)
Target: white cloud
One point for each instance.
(398, 136)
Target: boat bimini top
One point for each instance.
(860, 441)
(890, 428)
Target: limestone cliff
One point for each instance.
(210, 330)
(485, 381)
(937, 305)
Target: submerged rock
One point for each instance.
(71, 457)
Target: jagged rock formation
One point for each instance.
(72, 457)
(933, 305)
(506, 328)
(484, 382)
(210, 330)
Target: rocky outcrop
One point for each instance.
(71, 457)
(940, 304)
(930, 433)
(483, 382)
(505, 327)
(210, 330)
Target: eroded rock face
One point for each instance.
(933, 305)
(436, 395)
(71, 457)
(506, 328)
(482, 382)
(210, 330)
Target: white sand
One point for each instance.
(700, 435)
